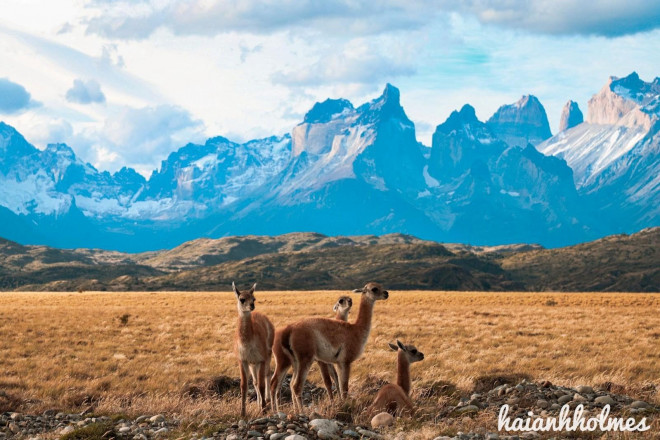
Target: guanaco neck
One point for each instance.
(341, 316)
(363, 321)
(403, 372)
(245, 330)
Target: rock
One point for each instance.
(242, 423)
(65, 430)
(565, 399)
(579, 398)
(141, 419)
(637, 404)
(124, 429)
(161, 431)
(604, 400)
(295, 437)
(253, 433)
(382, 419)
(369, 434)
(232, 437)
(542, 403)
(351, 433)
(325, 435)
(157, 419)
(276, 436)
(467, 409)
(584, 389)
(443, 437)
(570, 116)
(325, 425)
(17, 417)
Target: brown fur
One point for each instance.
(254, 341)
(284, 358)
(395, 398)
(328, 341)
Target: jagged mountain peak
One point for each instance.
(12, 143)
(325, 111)
(570, 116)
(632, 87)
(521, 123)
(463, 120)
(386, 106)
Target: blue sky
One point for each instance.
(127, 82)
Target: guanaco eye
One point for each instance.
(374, 289)
(242, 300)
(413, 351)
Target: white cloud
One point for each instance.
(85, 92)
(136, 20)
(13, 97)
(610, 18)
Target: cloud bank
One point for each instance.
(85, 92)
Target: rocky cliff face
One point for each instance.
(570, 116)
(524, 122)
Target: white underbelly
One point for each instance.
(326, 352)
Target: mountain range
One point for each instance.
(347, 170)
(312, 261)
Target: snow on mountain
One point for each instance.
(570, 116)
(618, 119)
(524, 122)
(361, 170)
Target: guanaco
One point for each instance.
(254, 343)
(283, 360)
(393, 398)
(329, 341)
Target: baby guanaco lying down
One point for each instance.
(395, 398)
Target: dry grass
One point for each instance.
(137, 352)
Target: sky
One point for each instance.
(124, 83)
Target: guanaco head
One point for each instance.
(244, 300)
(343, 307)
(410, 351)
(373, 291)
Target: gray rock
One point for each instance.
(295, 437)
(63, 431)
(467, 409)
(637, 404)
(584, 389)
(254, 433)
(542, 403)
(326, 425)
(565, 399)
(124, 429)
(604, 400)
(369, 434)
(141, 419)
(579, 398)
(232, 437)
(351, 433)
(157, 419)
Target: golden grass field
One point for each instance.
(63, 350)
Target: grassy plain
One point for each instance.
(137, 352)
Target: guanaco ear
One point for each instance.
(334, 309)
(392, 346)
(400, 345)
(358, 290)
(254, 286)
(233, 286)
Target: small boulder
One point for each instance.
(382, 419)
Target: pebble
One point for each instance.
(324, 425)
(369, 434)
(295, 437)
(124, 429)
